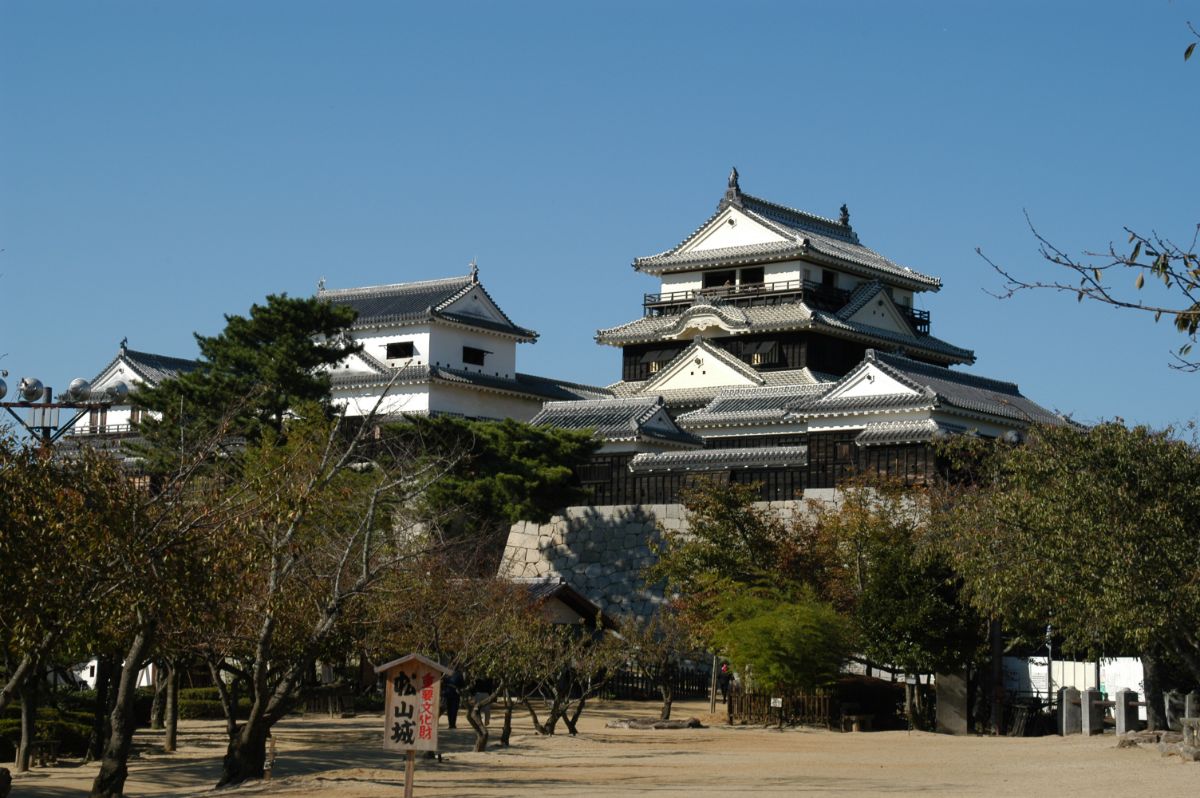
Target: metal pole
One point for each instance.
(1049, 665)
(712, 688)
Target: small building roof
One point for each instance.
(740, 407)
(543, 589)
(642, 418)
(422, 301)
(929, 387)
(721, 459)
(407, 658)
(521, 384)
(148, 366)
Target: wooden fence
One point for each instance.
(815, 709)
(629, 684)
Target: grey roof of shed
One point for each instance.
(808, 234)
(542, 589)
(721, 459)
(426, 300)
(615, 419)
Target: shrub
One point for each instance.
(71, 729)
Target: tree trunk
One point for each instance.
(571, 718)
(110, 781)
(506, 729)
(172, 708)
(17, 679)
(29, 698)
(160, 688)
(481, 731)
(537, 726)
(668, 695)
(99, 739)
(246, 756)
(1156, 717)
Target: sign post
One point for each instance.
(412, 692)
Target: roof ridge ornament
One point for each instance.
(733, 192)
(474, 271)
(124, 345)
(844, 218)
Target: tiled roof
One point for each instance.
(703, 346)
(750, 406)
(156, 368)
(151, 368)
(614, 419)
(721, 459)
(543, 589)
(859, 298)
(810, 235)
(793, 316)
(527, 384)
(693, 396)
(935, 387)
(401, 303)
(968, 391)
(892, 433)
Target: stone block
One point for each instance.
(1191, 705)
(952, 703)
(1174, 702)
(1126, 711)
(1069, 713)
(1091, 713)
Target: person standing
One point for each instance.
(451, 695)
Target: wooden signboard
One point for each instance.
(412, 693)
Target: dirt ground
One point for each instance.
(343, 758)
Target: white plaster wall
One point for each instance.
(788, 270)
(874, 382)
(446, 343)
(682, 281)
(742, 231)
(481, 404)
(401, 399)
(375, 343)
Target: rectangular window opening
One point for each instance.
(400, 350)
(473, 356)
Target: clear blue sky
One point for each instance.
(162, 163)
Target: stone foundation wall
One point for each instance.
(601, 551)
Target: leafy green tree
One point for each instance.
(783, 640)
(319, 536)
(1095, 529)
(57, 522)
(729, 542)
(250, 376)
(898, 589)
(503, 472)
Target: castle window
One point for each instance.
(474, 357)
(400, 350)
